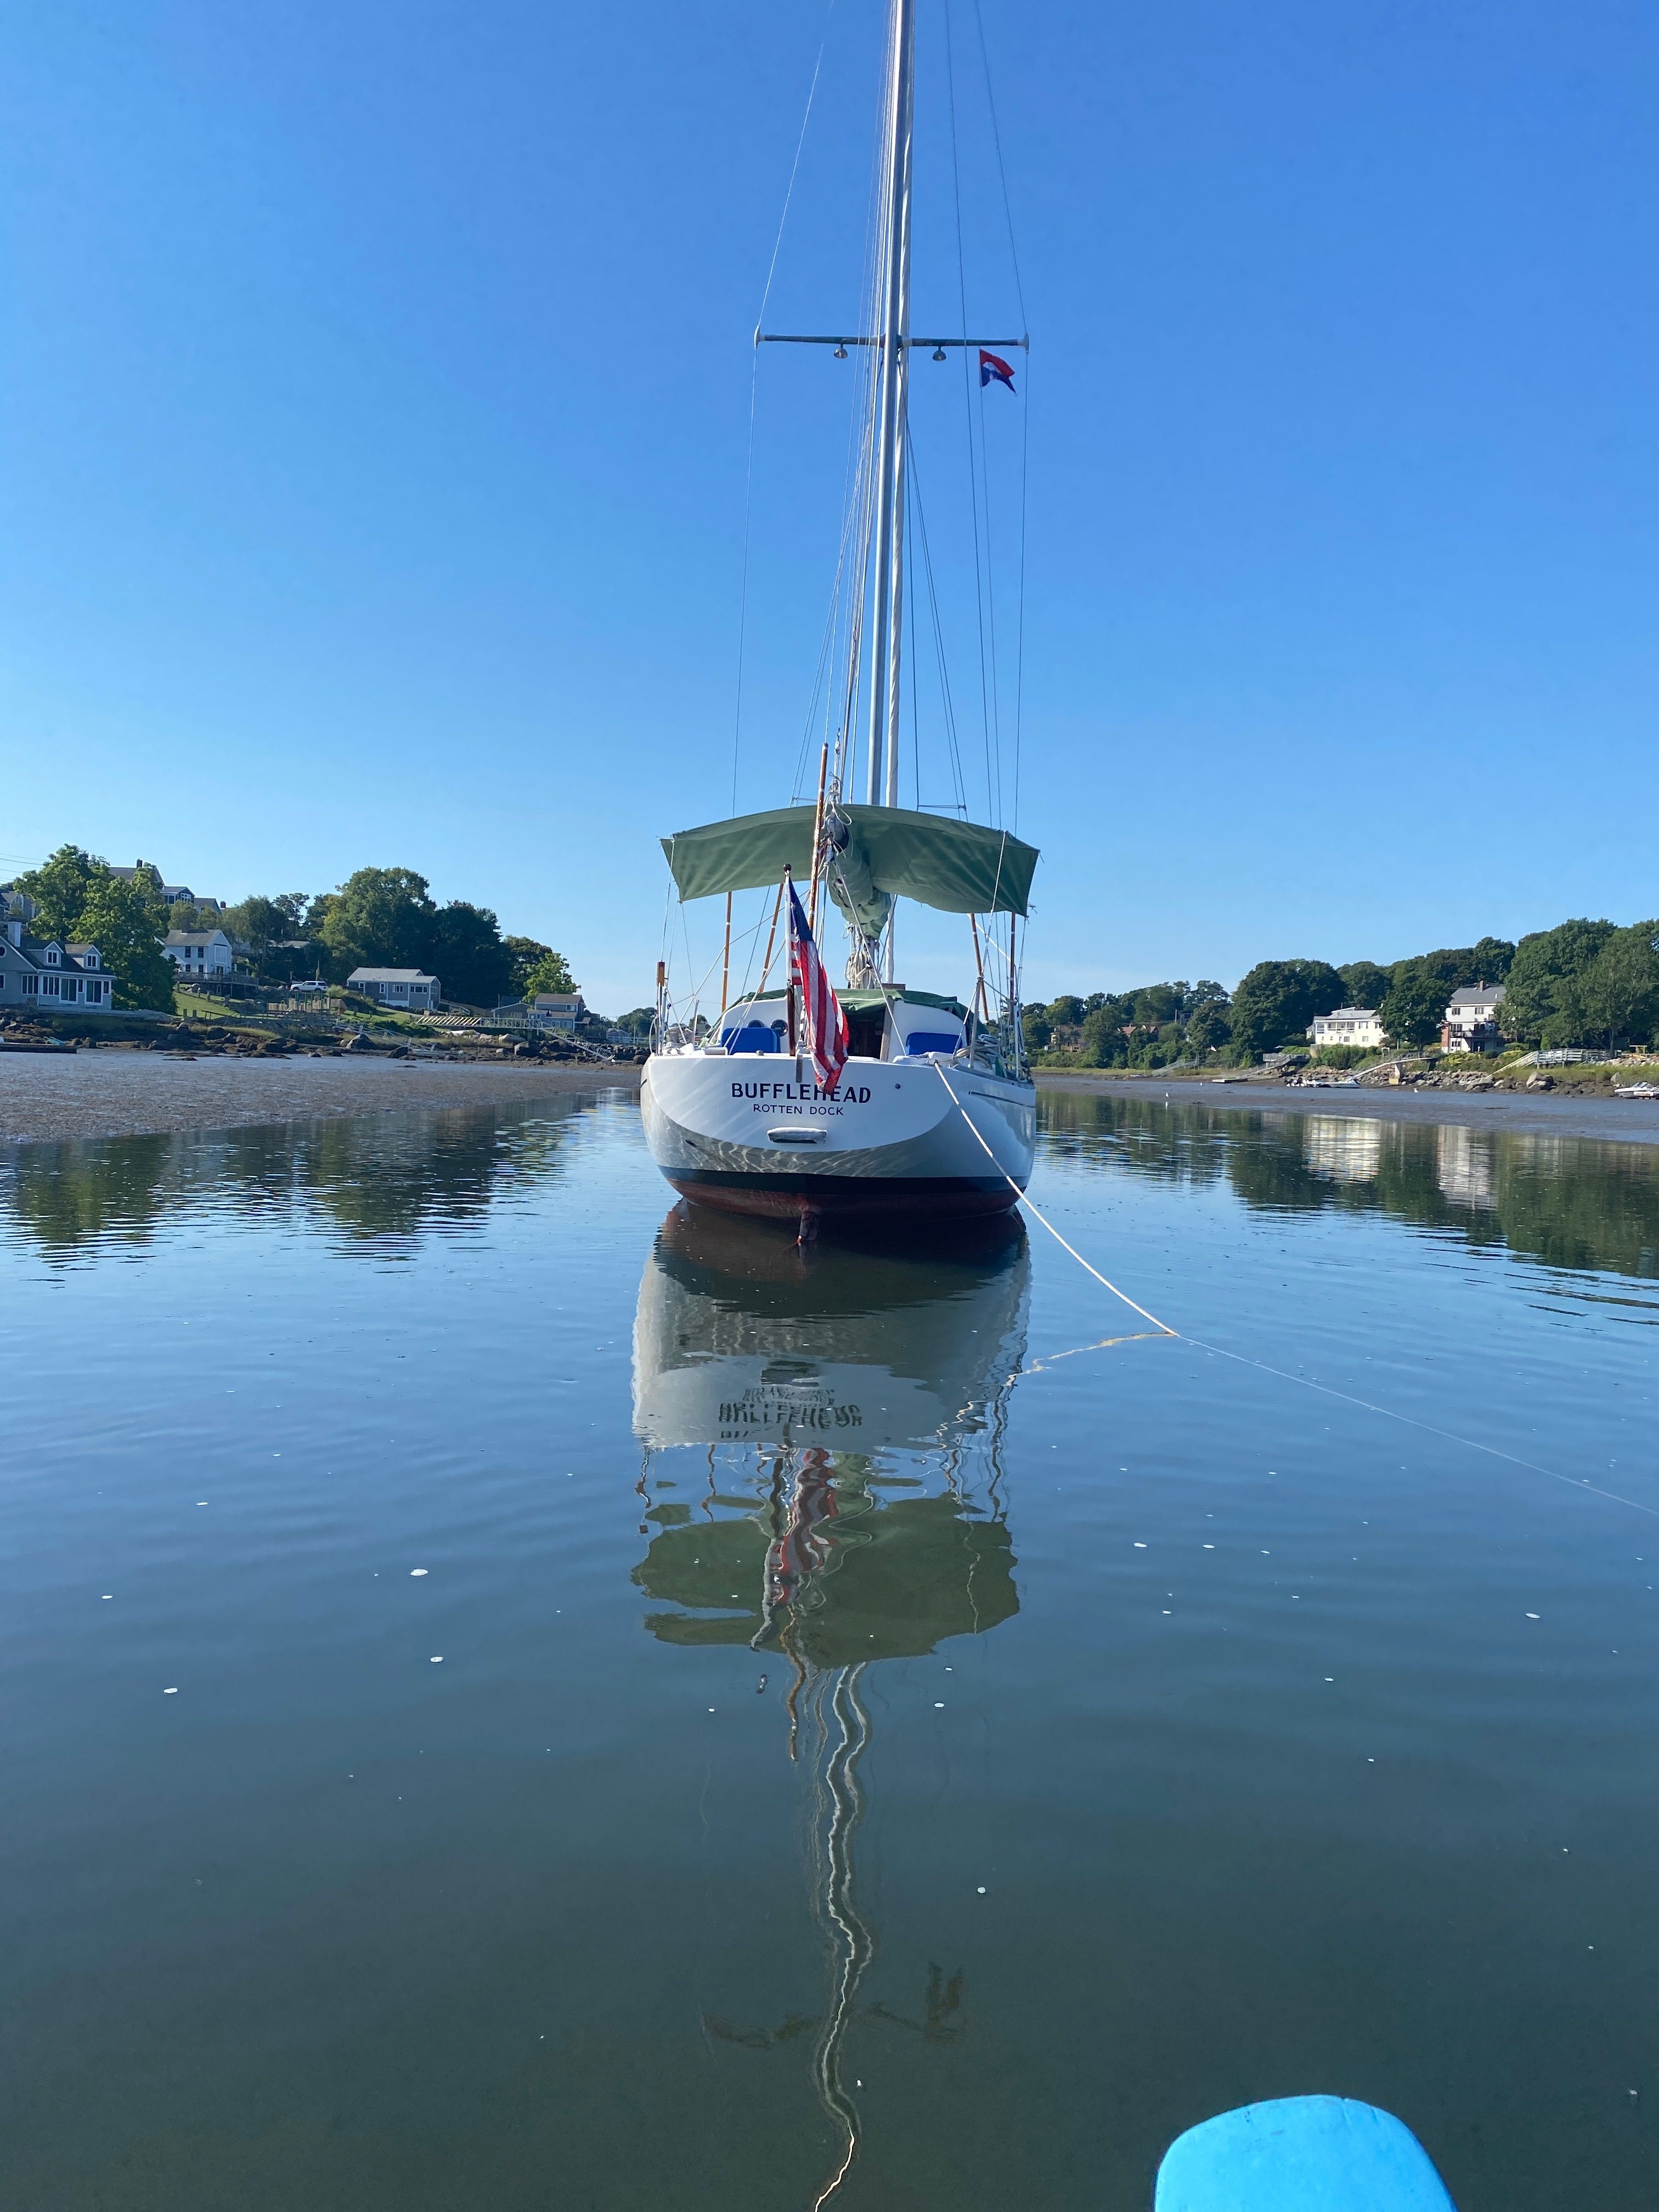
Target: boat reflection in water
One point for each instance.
(820, 1381)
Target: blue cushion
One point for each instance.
(1300, 2154)
(751, 1038)
(933, 1041)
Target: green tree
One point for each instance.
(1365, 983)
(1276, 1002)
(1155, 1003)
(262, 922)
(1541, 990)
(1414, 1004)
(60, 889)
(1618, 995)
(1208, 1028)
(1421, 988)
(550, 973)
(1491, 960)
(1102, 1044)
(82, 901)
(378, 918)
(524, 952)
(464, 951)
(126, 921)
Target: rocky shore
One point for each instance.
(1575, 1111)
(47, 1096)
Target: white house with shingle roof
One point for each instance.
(1355, 1025)
(1471, 1022)
(199, 951)
(408, 989)
(45, 975)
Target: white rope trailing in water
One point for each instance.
(1451, 1436)
(1031, 1206)
(1284, 1374)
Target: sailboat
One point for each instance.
(880, 1100)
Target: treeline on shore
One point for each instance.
(1582, 983)
(378, 918)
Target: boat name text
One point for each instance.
(848, 1094)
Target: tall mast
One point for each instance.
(885, 669)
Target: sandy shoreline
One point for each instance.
(1618, 1121)
(44, 1099)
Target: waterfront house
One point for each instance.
(43, 975)
(558, 1010)
(199, 951)
(174, 894)
(1352, 1025)
(561, 1012)
(1471, 1022)
(408, 989)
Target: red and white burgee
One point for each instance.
(826, 1025)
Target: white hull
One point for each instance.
(753, 1132)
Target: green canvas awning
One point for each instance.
(886, 853)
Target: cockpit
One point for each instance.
(893, 1026)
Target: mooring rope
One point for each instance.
(1031, 1206)
(1221, 1351)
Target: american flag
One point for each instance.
(826, 1025)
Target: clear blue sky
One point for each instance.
(375, 407)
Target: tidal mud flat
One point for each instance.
(1624, 1120)
(48, 1098)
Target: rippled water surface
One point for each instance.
(519, 1697)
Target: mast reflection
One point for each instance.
(820, 1381)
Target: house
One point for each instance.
(1471, 1023)
(199, 951)
(407, 988)
(1356, 1025)
(43, 975)
(174, 894)
(558, 1010)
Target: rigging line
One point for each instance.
(1002, 173)
(847, 587)
(967, 392)
(794, 166)
(820, 674)
(912, 502)
(754, 382)
(990, 609)
(1019, 626)
(949, 704)
(1283, 1374)
(745, 996)
(743, 585)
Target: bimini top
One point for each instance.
(885, 853)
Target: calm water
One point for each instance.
(517, 1698)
